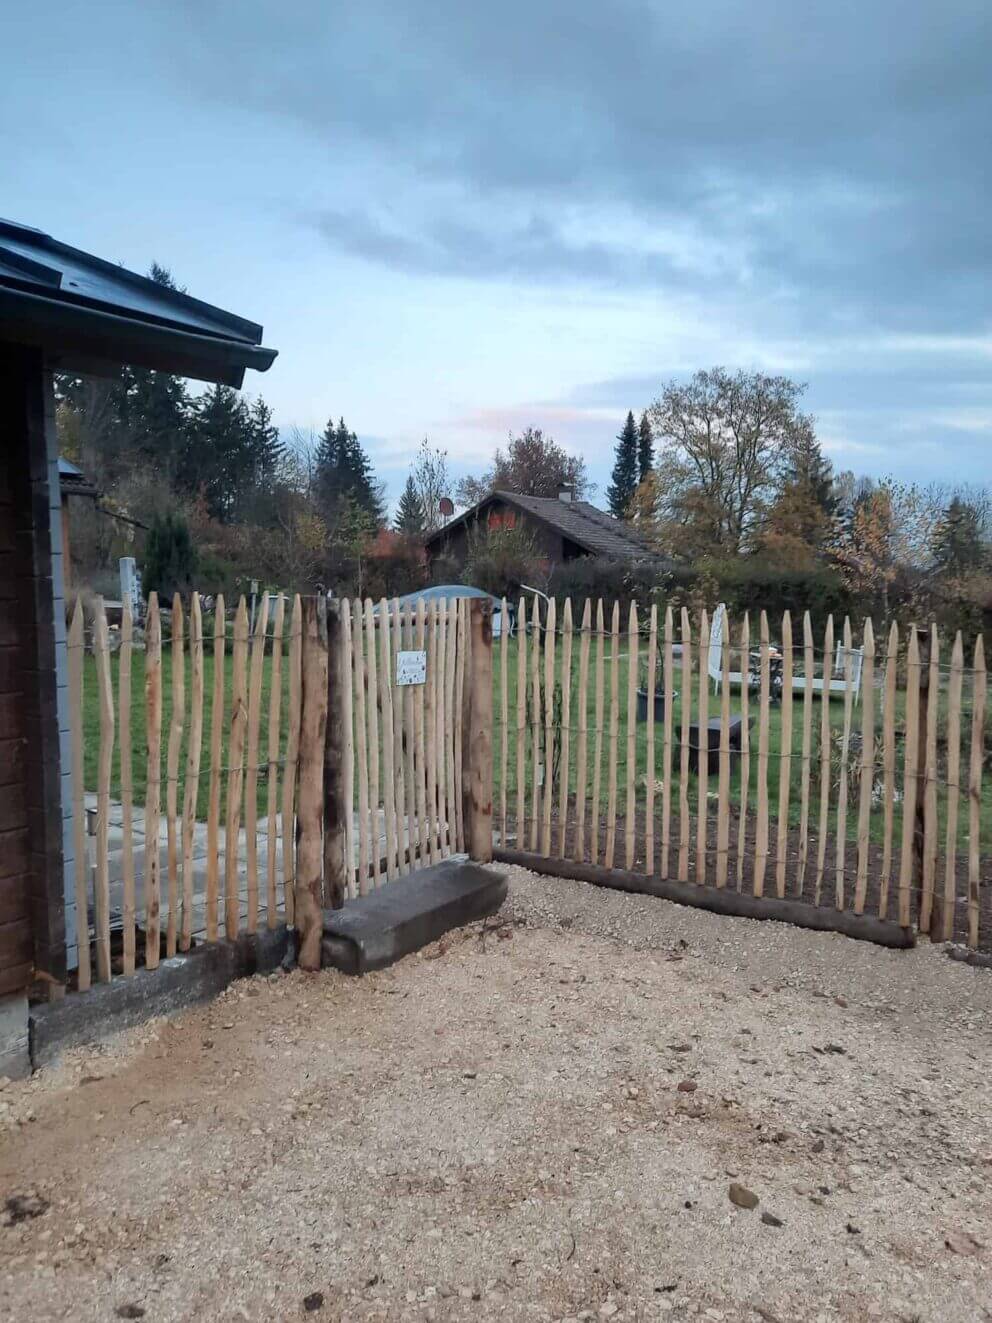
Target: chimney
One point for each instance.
(566, 494)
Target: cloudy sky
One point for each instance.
(458, 219)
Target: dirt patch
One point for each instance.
(496, 1129)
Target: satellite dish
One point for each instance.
(446, 506)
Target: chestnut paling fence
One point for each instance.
(196, 737)
(838, 770)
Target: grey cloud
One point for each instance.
(844, 147)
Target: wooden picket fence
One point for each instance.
(403, 747)
(221, 743)
(875, 806)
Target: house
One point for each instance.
(563, 528)
(62, 310)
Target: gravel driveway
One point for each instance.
(542, 1120)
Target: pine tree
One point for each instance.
(343, 470)
(410, 517)
(620, 493)
(645, 447)
(267, 449)
(958, 543)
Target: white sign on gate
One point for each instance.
(411, 667)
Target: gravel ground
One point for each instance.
(543, 1119)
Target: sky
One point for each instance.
(457, 220)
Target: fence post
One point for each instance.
(310, 804)
(478, 764)
(335, 809)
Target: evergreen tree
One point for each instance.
(410, 517)
(170, 559)
(958, 543)
(621, 490)
(217, 461)
(645, 447)
(267, 449)
(344, 471)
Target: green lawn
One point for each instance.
(775, 736)
(775, 743)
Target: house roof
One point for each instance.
(73, 481)
(595, 531)
(90, 315)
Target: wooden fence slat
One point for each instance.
(888, 765)
(361, 744)
(272, 785)
(761, 824)
(565, 751)
(703, 751)
(975, 790)
(461, 720)
(582, 761)
(930, 785)
(153, 781)
(216, 769)
(867, 763)
(845, 753)
(666, 743)
(910, 776)
(452, 724)
(191, 788)
(290, 773)
(251, 778)
(504, 716)
(235, 771)
(745, 786)
(420, 751)
(388, 737)
(723, 797)
(310, 809)
(809, 670)
(825, 751)
(521, 809)
(611, 791)
(684, 750)
(372, 712)
(630, 797)
(76, 654)
(785, 759)
(537, 769)
(176, 723)
(395, 619)
(430, 729)
(953, 783)
(649, 789)
(127, 786)
(101, 886)
(407, 727)
(441, 717)
(348, 744)
(596, 808)
(551, 626)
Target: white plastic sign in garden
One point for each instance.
(411, 667)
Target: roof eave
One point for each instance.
(78, 338)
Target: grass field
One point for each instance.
(775, 736)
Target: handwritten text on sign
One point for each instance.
(411, 667)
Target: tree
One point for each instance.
(430, 479)
(500, 560)
(343, 471)
(533, 465)
(410, 518)
(170, 559)
(645, 447)
(727, 441)
(800, 519)
(960, 545)
(217, 459)
(626, 473)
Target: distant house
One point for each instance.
(564, 529)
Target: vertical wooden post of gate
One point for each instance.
(310, 801)
(477, 766)
(335, 809)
